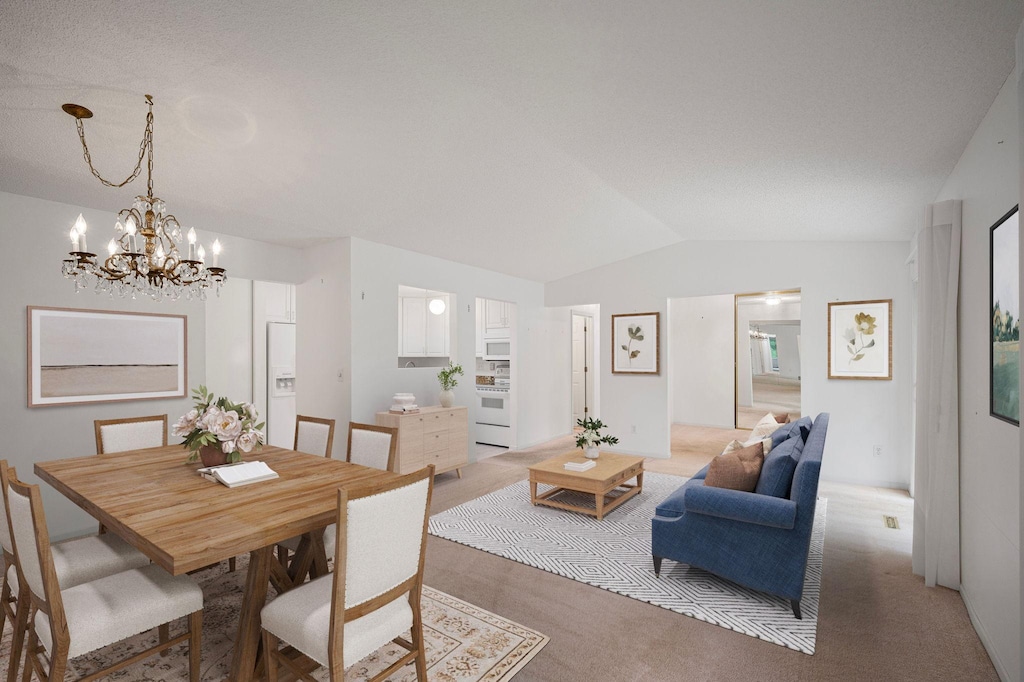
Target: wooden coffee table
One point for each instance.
(612, 472)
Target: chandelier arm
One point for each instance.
(146, 144)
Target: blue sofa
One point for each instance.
(759, 539)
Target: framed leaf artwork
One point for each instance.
(635, 342)
(860, 340)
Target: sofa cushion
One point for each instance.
(764, 428)
(672, 506)
(737, 469)
(777, 470)
(786, 431)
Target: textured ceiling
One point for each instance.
(534, 138)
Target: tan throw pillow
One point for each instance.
(737, 470)
(783, 418)
(736, 445)
(765, 427)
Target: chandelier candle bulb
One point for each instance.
(191, 243)
(80, 228)
(202, 254)
(129, 228)
(216, 252)
(112, 247)
(74, 240)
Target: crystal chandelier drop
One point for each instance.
(143, 255)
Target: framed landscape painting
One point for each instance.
(1004, 329)
(635, 341)
(860, 340)
(92, 356)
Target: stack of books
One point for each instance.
(240, 473)
(404, 403)
(580, 466)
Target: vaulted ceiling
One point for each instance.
(534, 138)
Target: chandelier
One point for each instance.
(143, 255)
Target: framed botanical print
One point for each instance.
(635, 342)
(92, 356)
(860, 340)
(1004, 326)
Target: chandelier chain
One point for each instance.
(146, 144)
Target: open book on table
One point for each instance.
(240, 473)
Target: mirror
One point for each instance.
(426, 324)
(767, 356)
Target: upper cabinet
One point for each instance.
(279, 301)
(497, 318)
(479, 327)
(424, 322)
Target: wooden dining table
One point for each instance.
(158, 503)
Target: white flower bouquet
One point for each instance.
(219, 425)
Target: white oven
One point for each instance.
(493, 407)
(497, 349)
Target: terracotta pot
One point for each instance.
(212, 455)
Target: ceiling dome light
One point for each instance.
(773, 300)
(437, 306)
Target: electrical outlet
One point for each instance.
(876, 450)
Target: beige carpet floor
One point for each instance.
(877, 621)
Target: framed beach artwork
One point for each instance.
(860, 340)
(635, 341)
(1004, 327)
(93, 356)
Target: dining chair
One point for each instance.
(314, 435)
(69, 621)
(76, 561)
(372, 446)
(373, 596)
(130, 433)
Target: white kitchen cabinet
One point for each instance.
(497, 318)
(279, 301)
(421, 333)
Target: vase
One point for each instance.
(212, 455)
(446, 398)
(591, 453)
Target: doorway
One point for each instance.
(767, 363)
(582, 366)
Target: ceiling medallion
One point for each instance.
(143, 255)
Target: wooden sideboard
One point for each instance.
(434, 435)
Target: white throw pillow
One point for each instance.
(764, 428)
(736, 445)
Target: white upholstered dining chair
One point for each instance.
(69, 621)
(76, 561)
(314, 435)
(372, 597)
(131, 433)
(372, 446)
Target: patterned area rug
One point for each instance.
(463, 642)
(615, 554)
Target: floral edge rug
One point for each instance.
(463, 642)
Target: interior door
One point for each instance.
(579, 368)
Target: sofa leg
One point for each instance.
(796, 608)
(657, 566)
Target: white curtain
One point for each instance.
(937, 450)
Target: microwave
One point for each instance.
(497, 349)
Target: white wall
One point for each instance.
(229, 341)
(786, 348)
(700, 335)
(987, 179)
(542, 342)
(864, 413)
(35, 233)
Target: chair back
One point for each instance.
(314, 435)
(382, 536)
(32, 553)
(5, 526)
(372, 446)
(133, 433)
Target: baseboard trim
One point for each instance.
(524, 446)
(874, 483)
(984, 636)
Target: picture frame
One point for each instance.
(1004, 323)
(97, 356)
(860, 340)
(636, 341)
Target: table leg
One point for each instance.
(599, 498)
(243, 662)
(639, 482)
(533, 492)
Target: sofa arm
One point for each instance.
(736, 505)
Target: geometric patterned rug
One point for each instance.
(615, 554)
(462, 642)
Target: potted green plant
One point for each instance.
(448, 381)
(591, 437)
(217, 430)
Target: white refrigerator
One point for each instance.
(281, 384)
